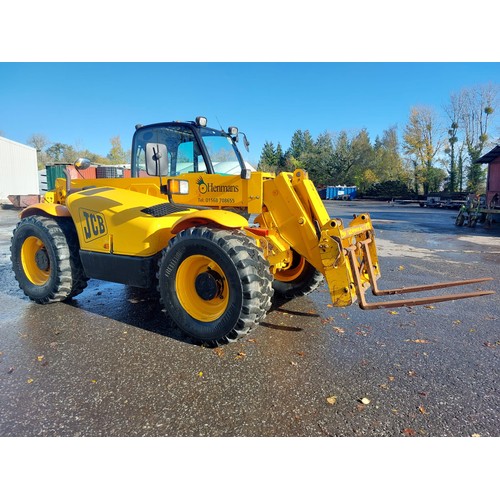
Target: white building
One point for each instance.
(18, 169)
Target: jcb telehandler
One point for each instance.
(174, 225)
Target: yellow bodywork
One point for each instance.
(297, 219)
(115, 216)
(112, 220)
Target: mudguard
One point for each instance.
(51, 209)
(219, 218)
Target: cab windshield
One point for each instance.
(222, 151)
(184, 153)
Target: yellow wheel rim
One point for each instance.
(35, 261)
(202, 288)
(291, 273)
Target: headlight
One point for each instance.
(201, 121)
(176, 186)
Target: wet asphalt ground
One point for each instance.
(106, 364)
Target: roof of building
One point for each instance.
(14, 143)
(489, 157)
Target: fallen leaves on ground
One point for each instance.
(219, 351)
(393, 312)
(364, 332)
(412, 373)
(391, 378)
(457, 322)
(492, 345)
(422, 410)
(331, 400)
(475, 435)
(401, 268)
(240, 355)
(40, 358)
(418, 341)
(409, 432)
(410, 323)
(338, 330)
(30, 381)
(365, 401)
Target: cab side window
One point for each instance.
(189, 159)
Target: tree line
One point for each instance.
(56, 152)
(437, 150)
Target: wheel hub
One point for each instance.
(42, 259)
(209, 285)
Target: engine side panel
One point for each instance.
(113, 220)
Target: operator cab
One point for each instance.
(175, 148)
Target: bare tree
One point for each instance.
(478, 105)
(423, 139)
(454, 111)
(40, 142)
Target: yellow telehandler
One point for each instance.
(177, 225)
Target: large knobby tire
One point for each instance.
(300, 279)
(214, 284)
(459, 221)
(45, 259)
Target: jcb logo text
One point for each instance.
(93, 225)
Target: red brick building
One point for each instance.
(493, 180)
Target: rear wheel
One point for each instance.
(45, 259)
(214, 284)
(301, 278)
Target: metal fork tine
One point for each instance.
(421, 288)
(419, 301)
(404, 302)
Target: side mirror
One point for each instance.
(246, 143)
(156, 159)
(82, 163)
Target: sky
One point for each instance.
(86, 104)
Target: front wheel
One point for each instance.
(301, 278)
(214, 284)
